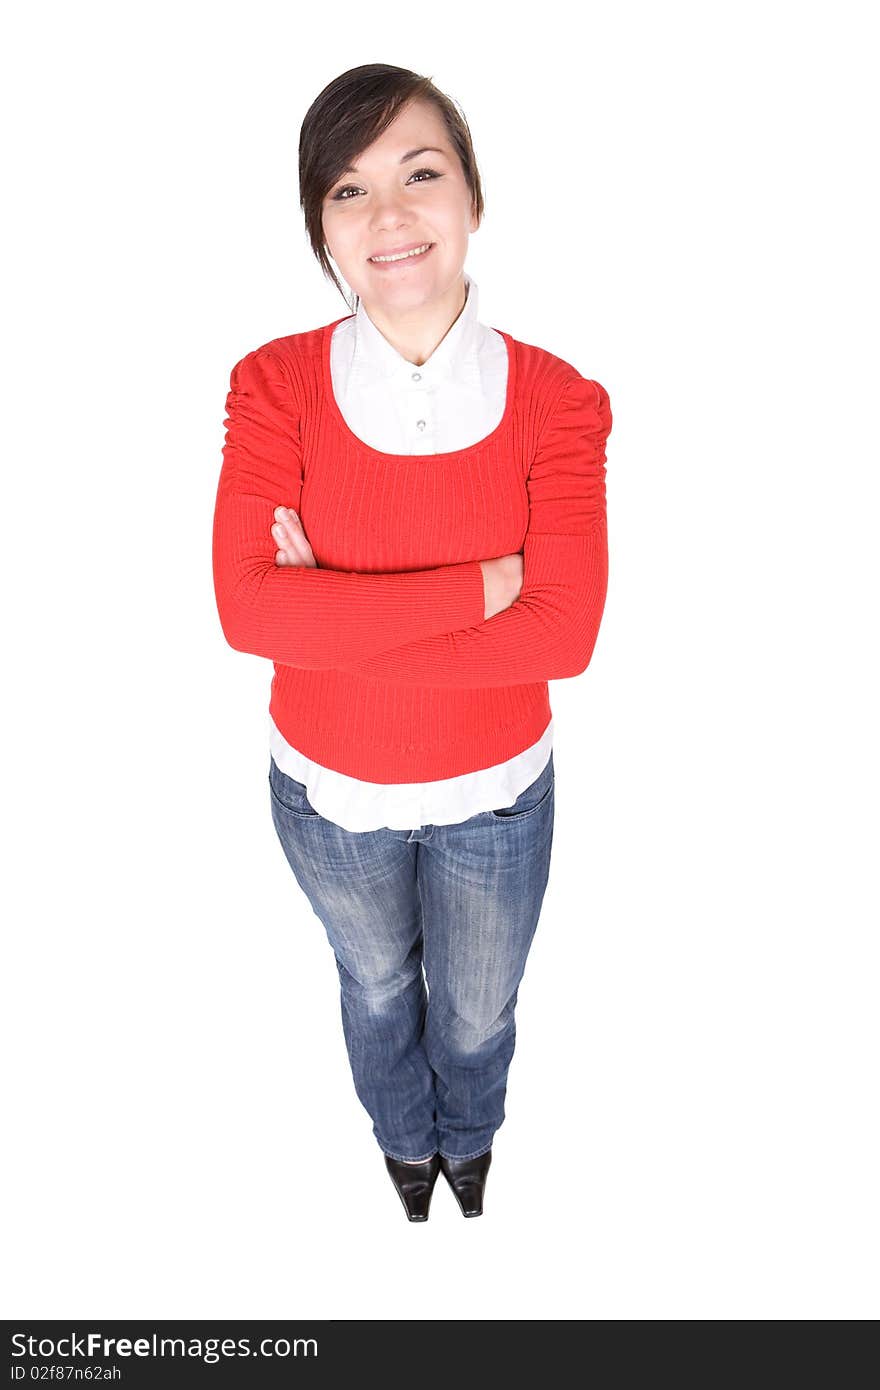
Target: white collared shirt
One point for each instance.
(449, 402)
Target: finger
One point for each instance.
(293, 549)
(287, 531)
(286, 536)
(291, 537)
(299, 547)
(287, 556)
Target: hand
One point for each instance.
(502, 582)
(293, 547)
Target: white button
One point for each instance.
(420, 424)
(416, 376)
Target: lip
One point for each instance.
(396, 251)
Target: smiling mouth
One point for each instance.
(418, 254)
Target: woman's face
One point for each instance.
(391, 201)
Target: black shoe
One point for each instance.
(467, 1178)
(414, 1183)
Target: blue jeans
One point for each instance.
(454, 905)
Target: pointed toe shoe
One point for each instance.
(414, 1183)
(467, 1178)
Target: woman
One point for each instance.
(410, 523)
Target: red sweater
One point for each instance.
(384, 666)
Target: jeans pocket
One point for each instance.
(290, 795)
(532, 799)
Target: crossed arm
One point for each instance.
(306, 616)
(425, 627)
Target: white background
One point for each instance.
(677, 201)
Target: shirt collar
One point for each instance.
(375, 358)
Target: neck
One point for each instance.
(415, 333)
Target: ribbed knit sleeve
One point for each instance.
(299, 614)
(550, 631)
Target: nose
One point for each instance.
(389, 211)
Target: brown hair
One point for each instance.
(348, 115)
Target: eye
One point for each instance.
(352, 188)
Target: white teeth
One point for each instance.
(419, 250)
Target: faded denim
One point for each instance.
(453, 906)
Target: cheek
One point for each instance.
(454, 218)
(340, 228)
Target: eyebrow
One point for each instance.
(411, 154)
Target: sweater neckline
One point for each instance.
(494, 436)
